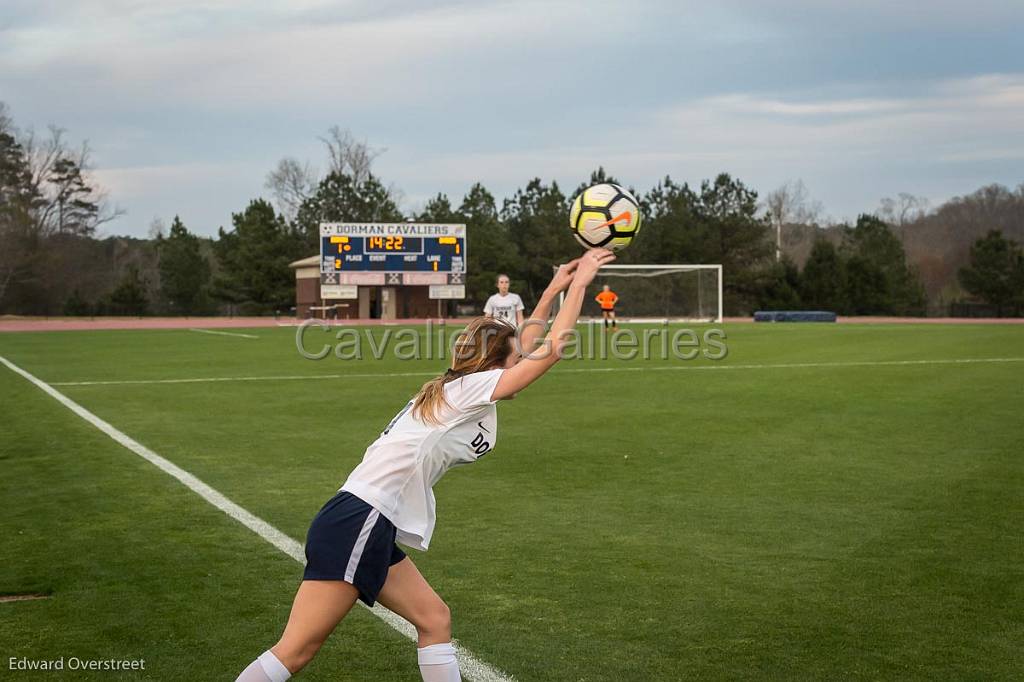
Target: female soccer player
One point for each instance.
(350, 548)
(607, 299)
(504, 304)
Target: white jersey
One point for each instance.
(400, 468)
(504, 307)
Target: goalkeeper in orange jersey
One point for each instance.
(607, 300)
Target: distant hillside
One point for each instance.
(938, 243)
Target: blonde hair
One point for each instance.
(484, 344)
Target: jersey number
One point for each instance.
(479, 445)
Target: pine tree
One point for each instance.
(823, 280)
(77, 209)
(19, 199)
(129, 298)
(879, 281)
(254, 259)
(534, 218)
(490, 249)
(184, 271)
(996, 272)
(339, 198)
(781, 287)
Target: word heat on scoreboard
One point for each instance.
(392, 254)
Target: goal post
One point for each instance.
(659, 293)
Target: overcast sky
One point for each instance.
(188, 104)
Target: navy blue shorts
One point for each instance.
(350, 540)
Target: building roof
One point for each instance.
(305, 262)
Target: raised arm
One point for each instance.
(535, 327)
(532, 366)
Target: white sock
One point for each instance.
(438, 664)
(266, 668)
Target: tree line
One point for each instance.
(52, 262)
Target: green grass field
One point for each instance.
(844, 519)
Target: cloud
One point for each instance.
(841, 16)
(133, 182)
(219, 56)
(949, 113)
(850, 150)
(836, 145)
(203, 194)
(188, 103)
(760, 105)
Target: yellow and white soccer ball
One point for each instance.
(605, 216)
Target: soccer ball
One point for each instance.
(605, 215)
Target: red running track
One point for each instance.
(49, 324)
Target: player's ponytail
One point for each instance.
(484, 344)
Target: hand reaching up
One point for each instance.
(589, 263)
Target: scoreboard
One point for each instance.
(392, 253)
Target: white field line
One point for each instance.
(472, 667)
(579, 370)
(238, 334)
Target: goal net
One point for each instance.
(656, 293)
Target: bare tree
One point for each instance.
(43, 154)
(790, 204)
(905, 208)
(61, 176)
(6, 122)
(47, 193)
(18, 202)
(157, 229)
(291, 183)
(348, 155)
